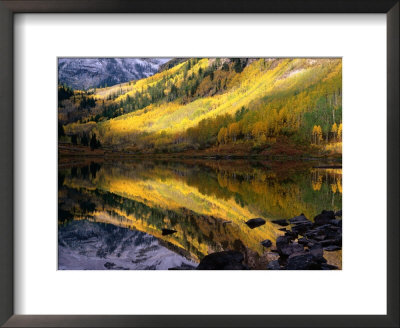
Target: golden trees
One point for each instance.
(339, 133)
(334, 130)
(223, 135)
(257, 129)
(228, 134)
(261, 103)
(262, 139)
(317, 134)
(233, 131)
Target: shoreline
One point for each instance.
(305, 245)
(84, 152)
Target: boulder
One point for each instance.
(330, 213)
(301, 228)
(302, 261)
(282, 241)
(291, 235)
(338, 213)
(266, 243)
(326, 266)
(270, 256)
(273, 265)
(311, 234)
(324, 218)
(332, 248)
(302, 241)
(166, 232)
(299, 219)
(318, 253)
(254, 223)
(226, 260)
(282, 223)
(329, 242)
(323, 227)
(335, 222)
(329, 231)
(312, 242)
(290, 249)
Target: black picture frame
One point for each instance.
(7, 10)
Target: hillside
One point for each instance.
(235, 105)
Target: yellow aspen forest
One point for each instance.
(214, 105)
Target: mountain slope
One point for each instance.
(85, 73)
(208, 102)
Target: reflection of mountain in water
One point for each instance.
(96, 246)
(206, 202)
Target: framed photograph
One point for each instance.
(175, 164)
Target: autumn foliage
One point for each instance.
(213, 102)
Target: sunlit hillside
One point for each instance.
(213, 103)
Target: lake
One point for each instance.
(111, 214)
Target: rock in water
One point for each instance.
(282, 223)
(282, 241)
(303, 246)
(291, 235)
(317, 252)
(254, 223)
(166, 232)
(302, 227)
(326, 266)
(302, 241)
(329, 242)
(336, 223)
(332, 248)
(290, 249)
(270, 256)
(324, 218)
(302, 261)
(299, 219)
(339, 213)
(273, 265)
(226, 260)
(266, 243)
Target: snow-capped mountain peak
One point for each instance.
(86, 73)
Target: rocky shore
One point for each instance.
(300, 248)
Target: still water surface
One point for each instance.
(111, 214)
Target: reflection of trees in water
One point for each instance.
(94, 168)
(332, 177)
(328, 177)
(197, 234)
(277, 192)
(274, 192)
